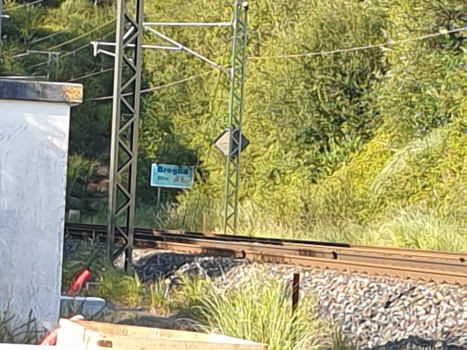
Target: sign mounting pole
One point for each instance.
(236, 139)
(125, 123)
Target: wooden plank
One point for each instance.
(6, 346)
(86, 335)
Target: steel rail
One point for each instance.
(402, 263)
(293, 243)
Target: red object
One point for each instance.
(78, 282)
(50, 338)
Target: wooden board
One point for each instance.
(6, 346)
(86, 335)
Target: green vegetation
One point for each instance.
(262, 312)
(362, 146)
(24, 334)
(256, 311)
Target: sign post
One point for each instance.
(158, 203)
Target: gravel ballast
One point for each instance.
(373, 312)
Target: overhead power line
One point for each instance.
(69, 41)
(66, 54)
(81, 36)
(44, 38)
(358, 48)
(58, 33)
(260, 57)
(24, 5)
(154, 88)
(305, 54)
(92, 74)
(423, 37)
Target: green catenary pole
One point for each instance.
(125, 122)
(232, 181)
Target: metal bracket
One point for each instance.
(52, 56)
(182, 47)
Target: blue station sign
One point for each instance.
(173, 176)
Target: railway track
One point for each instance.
(394, 262)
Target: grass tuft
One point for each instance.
(260, 310)
(26, 333)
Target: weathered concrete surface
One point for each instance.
(33, 164)
(41, 91)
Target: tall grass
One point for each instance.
(258, 309)
(411, 227)
(413, 196)
(11, 332)
(261, 310)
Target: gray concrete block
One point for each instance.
(86, 306)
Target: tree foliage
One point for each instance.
(341, 138)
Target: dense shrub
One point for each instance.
(341, 143)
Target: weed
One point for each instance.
(25, 333)
(261, 310)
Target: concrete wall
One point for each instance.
(33, 165)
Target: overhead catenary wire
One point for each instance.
(359, 48)
(54, 34)
(81, 36)
(92, 74)
(51, 36)
(68, 41)
(24, 5)
(66, 54)
(103, 98)
(45, 38)
(307, 54)
(37, 40)
(352, 49)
